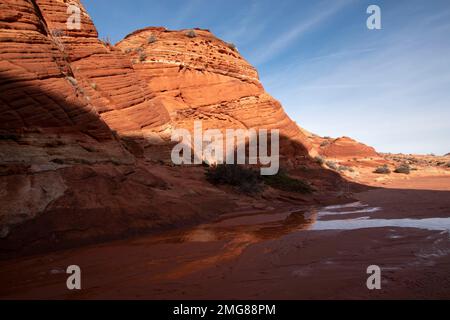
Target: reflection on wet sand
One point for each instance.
(282, 254)
(237, 234)
(240, 232)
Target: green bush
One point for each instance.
(283, 181)
(245, 180)
(404, 168)
(249, 181)
(383, 170)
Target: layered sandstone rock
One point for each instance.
(345, 148)
(196, 76)
(104, 74)
(36, 81)
(80, 119)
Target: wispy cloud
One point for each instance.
(285, 40)
(248, 26)
(391, 93)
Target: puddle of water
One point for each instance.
(441, 224)
(366, 210)
(239, 232)
(358, 204)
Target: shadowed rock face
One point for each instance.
(140, 88)
(37, 84)
(80, 117)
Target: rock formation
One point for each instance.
(82, 122)
(346, 147)
(200, 77)
(343, 148)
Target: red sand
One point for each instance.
(257, 258)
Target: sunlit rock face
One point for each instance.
(196, 76)
(151, 82)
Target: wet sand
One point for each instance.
(283, 255)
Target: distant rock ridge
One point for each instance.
(339, 148)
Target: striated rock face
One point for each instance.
(52, 77)
(104, 74)
(345, 148)
(81, 119)
(196, 76)
(36, 81)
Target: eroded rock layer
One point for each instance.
(37, 84)
(81, 122)
(345, 148)
(197, 76)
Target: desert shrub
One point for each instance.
(94, 85)
(325, 143)
(331, 165)
(232, 46)
(319, 160)
(382, 170)
(346, 168)
(191, 34)
(283, 181)
(151, 39)
(9, 136)
(58, 161)
(128, 50)
(106, 41)
(404, 168)
(54, 144)
(142, 56)
(448, 164)
(245, 180)
(66, 56)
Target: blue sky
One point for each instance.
(388, 88)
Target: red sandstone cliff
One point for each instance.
(81, 120)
